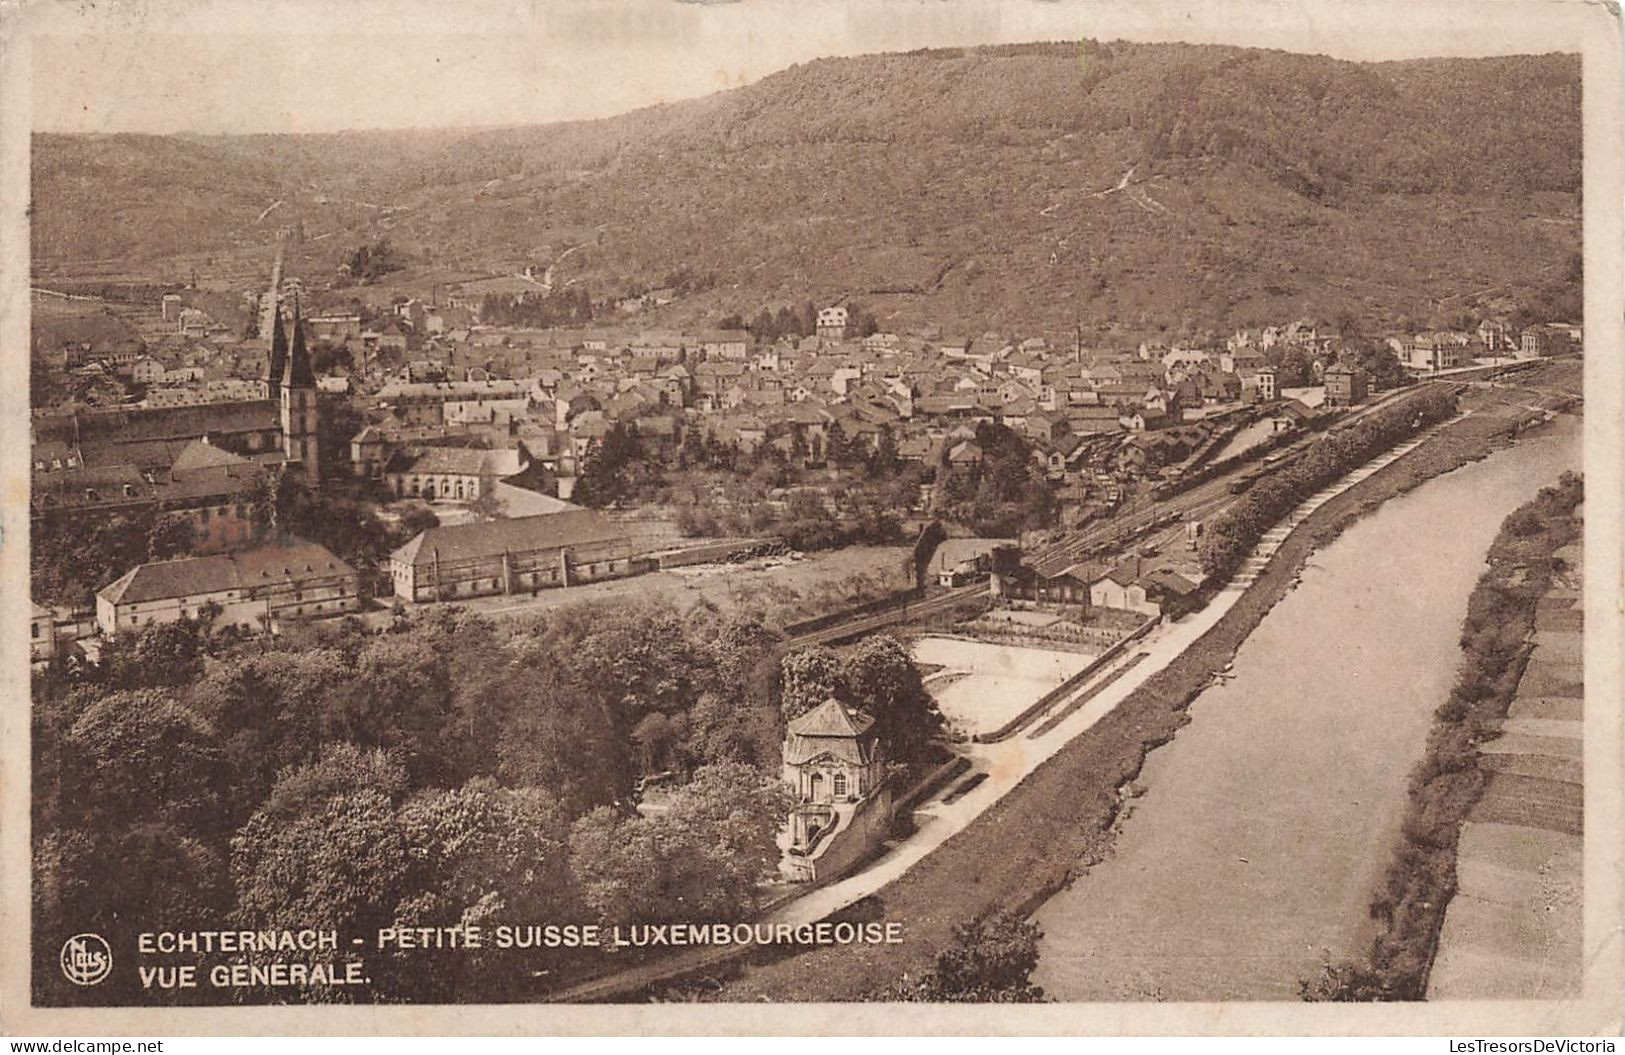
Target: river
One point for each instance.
(1266, 824)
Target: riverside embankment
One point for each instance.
(1031, 842)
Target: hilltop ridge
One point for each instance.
(1042, 185)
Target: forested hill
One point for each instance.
(1025, 186)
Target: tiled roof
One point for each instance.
(209, 481)
(830, 728)
(168, 423)
(1126, 573)
(457, 461)
(576, 527)
(1172, 582)
(523, 502)
(292, 561)
(92, 486)
(199, 455)
(831, 718)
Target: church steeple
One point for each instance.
(276, 364)
(301, 419)
(298, 368)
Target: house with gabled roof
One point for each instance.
(834, 760)
(291, 578)
(460, 473)
(510, 555)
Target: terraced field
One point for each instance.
(1514, 927)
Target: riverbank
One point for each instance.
(1060, 820)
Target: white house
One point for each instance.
(832, 322)
(250, 589)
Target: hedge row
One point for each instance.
(1228, 537)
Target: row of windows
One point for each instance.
(522, 579)
(838, 783)
(445, 488)
(193, 613)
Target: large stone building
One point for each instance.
(253, 589)
(832, 322)
(510, 555)
(835, 761)
(439, 402)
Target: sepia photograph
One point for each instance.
(1063, 517)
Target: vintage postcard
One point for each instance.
(664, 517)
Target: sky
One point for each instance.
(214, 66)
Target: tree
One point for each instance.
(117, 882)
(480, 853)
(168, 538)
(703, 859)
(723, 730)
(883, 682)
(859, 322)
(327, 850)
(400, 698)
(808, 677)
(1346, 983)
(339, 844)
(691, 452)
(613, 469)
(158, 654)
(657, 736)
(488, 506)
(368, 263)
(990, 962)
(274, 710)
(281, 503)
(140, 755)
(884, 462)
(569, 741)
(641, 652)
(415, 520)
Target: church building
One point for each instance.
(199, 460)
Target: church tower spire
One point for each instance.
(298, 368)
(301, 420)
(277, 362)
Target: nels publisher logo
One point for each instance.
(86, 959)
